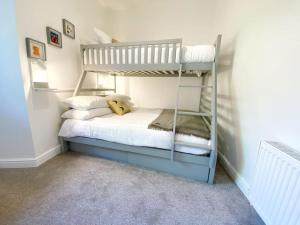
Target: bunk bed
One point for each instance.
(164, 58)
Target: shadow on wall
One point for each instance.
(45, 109)
(228, 125)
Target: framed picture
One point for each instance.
(54, 37)
(35, 49)
(69, 29)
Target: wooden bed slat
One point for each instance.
(167, 54)
(115, 56)
(93, 56)
(88, 56)
(152, 54)
(139, 54)
(132, 55)
(108, 55)
(146, 54)
(174, 53)
(98, 57)
(103, 56)
(159, 54)
(126, 55)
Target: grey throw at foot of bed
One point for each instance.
(186, 124)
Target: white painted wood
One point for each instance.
(115, 61)
(103, 56)
(207, 147)
(126, 55)
(79, 84)
(139, 54)
(235, 175)
(88, 56)
(146, 54)
(193, 113)
(196, 86)
(92, 55)
(174, 53)
(98, 57)
(176, 112)
(152, 54)
(167, 54)
(108, 55)
(30, 162)
(159, 53)
(214, 112)
(132, 56)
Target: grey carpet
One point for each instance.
(83, 190)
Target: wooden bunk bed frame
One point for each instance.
(136, 59)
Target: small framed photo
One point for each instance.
(54, 37)
(69, 29)
(35, 49)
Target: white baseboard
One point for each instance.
(48, 155)
(30, 162)
(234, 174)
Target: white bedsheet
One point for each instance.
(130, 129)
(198, 53)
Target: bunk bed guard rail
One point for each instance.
(162, 55)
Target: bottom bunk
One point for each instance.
(143, 137)
(133, 129)
(187, 165)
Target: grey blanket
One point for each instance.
(186, 124)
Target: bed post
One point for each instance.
(175, 112)
(63, 144)
(115, 83)
(80, 83)
(214, 124)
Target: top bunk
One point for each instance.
(161, 58)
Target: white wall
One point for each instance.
(15, 131)
(259, 84)
(64, 65)
(153, 20)
(258, 95)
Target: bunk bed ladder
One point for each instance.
(191, 113)
(176, 112)
(212, 114)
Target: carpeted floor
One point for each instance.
(83, 190)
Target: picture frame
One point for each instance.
(68, 29)
(54, 37)
(36, 49)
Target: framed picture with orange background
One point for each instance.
(35, 49)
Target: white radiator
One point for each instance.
(275, 191)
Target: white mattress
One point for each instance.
(189, 54)
(130, 129)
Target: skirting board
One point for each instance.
(30, 162)
(233, 173)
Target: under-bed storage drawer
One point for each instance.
(185, 169)
(190, 170)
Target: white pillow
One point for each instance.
(86, 102)
(103, 37)
(85, 114)
(120, 97)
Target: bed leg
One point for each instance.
(63, 144)
(212, 169)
